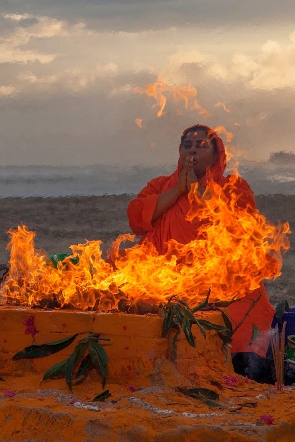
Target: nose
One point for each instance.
(193, 148)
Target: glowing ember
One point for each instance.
(160, 90)
(236, 250)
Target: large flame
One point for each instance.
(159, 90)
(236, 250)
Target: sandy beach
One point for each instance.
(61, 222)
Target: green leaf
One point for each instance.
(226, 338)
(174, 344)
(183, 303)
(85, 366)
(40, 351)
(187, 312)
(205, 395)
(227, 321)
(202, 330)
(102, 396)
(99, 359)
(56, 370)
(91, 337)
(255, 333)
(186, 327)
(224, 303)
(210, 326)
(202, 304)
(169, 312)
(212, 403)
(193, 392)
(72, 361)
(281, 308)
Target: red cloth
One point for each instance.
(173, 225)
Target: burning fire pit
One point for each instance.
(140, 375)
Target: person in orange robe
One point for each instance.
(158, 214)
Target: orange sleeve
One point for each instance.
(141, 209)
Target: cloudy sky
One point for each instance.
(117, 81)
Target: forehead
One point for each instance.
(199, 134)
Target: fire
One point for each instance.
(159, 90)
(222, 130)
(236, 250)
(220, 104)
(138, 121)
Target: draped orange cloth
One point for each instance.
(174, 225)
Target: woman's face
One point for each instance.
(198, 146)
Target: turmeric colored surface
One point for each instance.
(144, 405)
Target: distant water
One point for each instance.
(43, 181)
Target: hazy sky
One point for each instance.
(73, 75)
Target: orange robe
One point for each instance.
(173, 225)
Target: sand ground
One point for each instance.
(61, 222)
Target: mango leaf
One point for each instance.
(205, 395)
(186, 327)
(281, 308)
(92, 336)
(72, 361)
(210, 326)
(255, 333)
(202, 304)
(85, 366)
(215, 404)
(224, 303)
(189, 336)
(102, 396)
(174, 344)
(227, 321)
(169, 313)
(184, 304)
(193, 392)
(202, 330)
(187, 312)
(226, 338)
(40, 351)
(99, 359)
(56, 370)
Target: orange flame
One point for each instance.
(220, 104)
(160, 90)
(236, 250)
(222, 130)
(138, 121)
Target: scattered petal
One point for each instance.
(9, 393)
(231, 381)
(30, 326)
(267, 419)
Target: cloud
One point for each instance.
(137, 15)
(67, 85)
(7, 90)
(282, 157)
